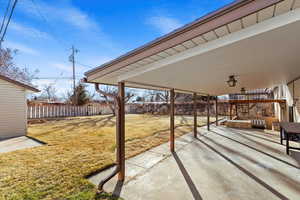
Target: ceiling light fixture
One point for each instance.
(232, 81)
(243, 90)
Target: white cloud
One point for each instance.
(62, 67)
(41, 82)
(60, 12)
(61, 86)
(163, 23)
(68, 23)
(21, 48)
(78, 18)
(68, 68)
(28, 31)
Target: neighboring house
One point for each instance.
(13, 107)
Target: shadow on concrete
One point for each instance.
(287, 179)
(257, 136)
(257, 142)
(240, 131)
(187, 178)
(118, 189)
(255, 178)
(278, 159)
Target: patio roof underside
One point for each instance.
(261, 49)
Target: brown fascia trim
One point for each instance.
(18, 83)
(216, 19)
(144, 86)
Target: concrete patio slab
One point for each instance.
(165, 149)
(131, 172)
(221, 164)
(17, 143)
(179, 143)
(139, 164)
(147, 159)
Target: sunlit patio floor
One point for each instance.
(222, 163)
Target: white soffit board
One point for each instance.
(210, 36)
(163, 54)
(189, 44)
(155, 57)
(198, 40)
(170, 51)
(141, 62)
(235, 26)
(266, 13)
(250, 20)
(179, 48)
(149, 60)
(283, 7)
(222, 31)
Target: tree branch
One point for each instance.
(104, 93)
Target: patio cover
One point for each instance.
(256, 40)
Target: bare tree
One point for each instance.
(49, 92)
(110, 95)
(8, 67)
(6, 58)
(162, 96)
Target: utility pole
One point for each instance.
(72, 59)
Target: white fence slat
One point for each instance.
(51, 111)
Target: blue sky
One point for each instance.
(44, 31)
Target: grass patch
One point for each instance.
(77, 147)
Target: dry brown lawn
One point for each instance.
(77, 147)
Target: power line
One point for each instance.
(63, 44)
(53, 78)
(5, 15)
(85, 65)
(9, 18)
(59, 41)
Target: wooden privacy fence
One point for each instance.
(52, 111)
(38, 111)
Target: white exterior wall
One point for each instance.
(13, 110)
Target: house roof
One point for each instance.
(19, 83)
(218, 17)
(254, 39)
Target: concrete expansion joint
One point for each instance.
(165, 156)
(136, 164)
(144, 171)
